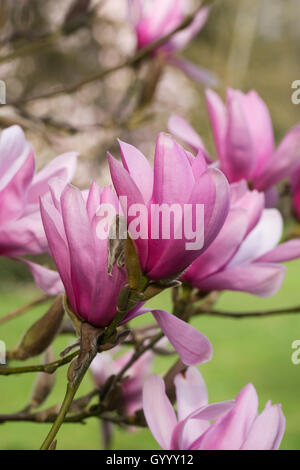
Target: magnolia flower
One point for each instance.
(70, 224)
(245, 256)
(70, 220)
(237, 425)
(154, 19)
(243, 135)
(104, 366)
(178, 180)
(21, 228)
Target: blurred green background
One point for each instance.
(256, 350)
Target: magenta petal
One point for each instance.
(158, 410)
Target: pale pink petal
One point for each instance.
(195, 72)
(218, 119)
(184, 131)
(47, 279)
(265, 430)
(158, 411)
(138, 167)
(262, 279)
(283, 252)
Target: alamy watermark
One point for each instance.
(2, 352)
(153, 221)
(296, 94)
(295, 358)
(2, 92)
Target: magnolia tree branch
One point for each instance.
(24, 308)
(244, 315)
(132, 61)
(49, 368)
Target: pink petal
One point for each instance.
(230, 431)
(172, 172)
(56, 237)
(81, 247)
(47, 279)
(240, 158)
(158, 411)
(262, 279)
(191, 392)
(267, 430)
(218, 119)
(263, 238)
(283, 162)
(182, 38)
(199, 74)
(63, 167)
(283, 252)
(191, 345)
(138, 167)
(182, 129)
(221, 250)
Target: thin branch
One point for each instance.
(48, 368)
(24, 309)
(243, 315)
(132, 61)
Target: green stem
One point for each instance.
(48, 368)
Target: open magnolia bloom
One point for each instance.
(246, 254)
(71, 220)
(154, 19)
(179, 183)
(243, 134)
(104, 366)
(237, 425)
(21, 228)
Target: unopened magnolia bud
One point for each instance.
(41, 334)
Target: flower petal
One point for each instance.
(158, 410)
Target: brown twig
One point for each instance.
(132, 61)
(24, 309)
(243, 315)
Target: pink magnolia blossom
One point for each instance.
(177, 178)
(246, 254)
(104, 366)
(237, 424)
(154, 19)
(21, 228)
(70, 219)
(70, 223)
(244, 140)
